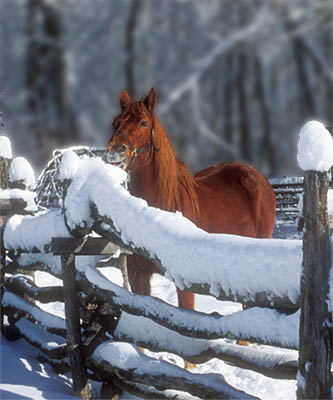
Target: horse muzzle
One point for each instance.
(117, 156)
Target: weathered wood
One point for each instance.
(198, 324)
(83, 246)
(80, 381)
(262, 360)
(138, 369)
(146, 392)
(20, 184)
(2, 268)
(14, 305)
(12, 206)
(14, 267)
(330, 221)
(23, 286)
(3, 185)
(4, 163)
(58, 366)
(37, 336)
(261, 299)
(315, 355)
(122, 264)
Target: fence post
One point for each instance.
(4, 162)
(74, 344)
(315, 333)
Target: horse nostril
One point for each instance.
(122, 149)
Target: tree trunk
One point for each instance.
(52, 121)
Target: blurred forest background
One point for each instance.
(235, 79)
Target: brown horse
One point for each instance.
(231, 198)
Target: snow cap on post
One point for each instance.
(315, 147)
(21, 170)
(68, 165)
(5, 147)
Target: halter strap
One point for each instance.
(134, 151)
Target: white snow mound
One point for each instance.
(20, 169)
(5, 147)
(315, 147)
(69, 165)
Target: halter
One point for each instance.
(134, 151)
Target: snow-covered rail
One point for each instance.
(264, 272)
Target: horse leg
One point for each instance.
(185, 299)
(139, 273)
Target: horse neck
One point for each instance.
(164, 181)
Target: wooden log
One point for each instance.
(23, 286)
(3, 185)
(2, 268)
(276, 365)
(13, 206)
(146, 392)
(198, 324)
(14, 267)
(315, 354)
(58, 366)
(122, 264)
(4, 163)
(37, 336)
(80, 381)
(83, 246)
(265, 299)
(131, 365)
(15, 305)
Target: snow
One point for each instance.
(127, 357)
(241, 265)
(286, 180)
(330, 201)
(47, 261)
(20, 169)
(264, 324)
(42, 337)
(46, 319)
(236, 264)
(315, 147)
(23, 376)
(5, 147)
(35, 232)
(301, 382)
(26, 195)
(68, 165)
(135, 328)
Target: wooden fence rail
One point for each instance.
(105, 309)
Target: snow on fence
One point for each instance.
(264, 274)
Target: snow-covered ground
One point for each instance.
(23, 377)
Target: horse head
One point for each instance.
(132, 140)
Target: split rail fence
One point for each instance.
(98, 315)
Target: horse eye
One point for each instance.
(143, 123)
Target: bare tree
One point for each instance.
(53, 123)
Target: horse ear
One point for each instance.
(124, 100)
(150, 100)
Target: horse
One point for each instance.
(231, 198)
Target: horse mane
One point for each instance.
(175, 185)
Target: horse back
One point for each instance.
(235, 198)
